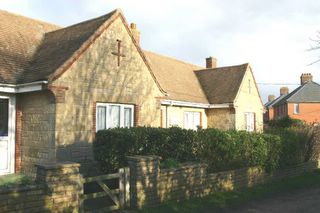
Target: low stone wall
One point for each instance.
(57, 189)
(151, 186)
(31, 198)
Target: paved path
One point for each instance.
(304, 200)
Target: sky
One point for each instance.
(273, 36)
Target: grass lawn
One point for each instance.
(13, 180)
(218, 200)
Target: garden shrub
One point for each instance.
(296, 144)
(113, 145)
(221, 150)
(285, 122)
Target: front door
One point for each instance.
(7, 132)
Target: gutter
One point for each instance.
(21, 88)
(195, 105)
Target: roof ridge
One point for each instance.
(171, 58)
(231, 66)
(87, 21)
(29, 18)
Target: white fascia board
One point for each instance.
(21, 88)
(193, 104)
(184, 103)
(215, 106)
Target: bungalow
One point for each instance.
(59, 86)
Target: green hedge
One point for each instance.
(221, 150)
(296, 144)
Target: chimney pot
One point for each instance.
(211, 63)
(133, 26)
(271, 98)
(284, 90)
(305, 78)
(135, 32)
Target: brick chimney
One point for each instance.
(271, 98)
(284, 91)
(305, 77)
(135, 32)
(211, 63)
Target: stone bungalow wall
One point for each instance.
(96, 78)
(57, 189)
(223, 119)
(151, 186)
(37, 122)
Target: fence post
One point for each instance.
(121, 188)
(127, 186)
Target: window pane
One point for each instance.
(296, 108)
(249, 121)
(101, 118)
(114, 116)
(127, 117)
(4, 112)
(186, 120)
(196, 120)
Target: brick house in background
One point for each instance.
(59, 86)
(269, 110)
(303, 103)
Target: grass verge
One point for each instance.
(219, 200)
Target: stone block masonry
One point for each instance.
(57, 189)
(150, 185)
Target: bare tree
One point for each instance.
(315, 46)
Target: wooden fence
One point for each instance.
(106, 192)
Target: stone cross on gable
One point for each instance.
(118, 53)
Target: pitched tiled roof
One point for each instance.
(177, 78)
(19, 39)
(306, 93)
(31, 50)
(221, 85)
(58, 46)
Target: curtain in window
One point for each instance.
(191, 120)
(114, 116)
(127, 117)
(101, 118)
(249, 121)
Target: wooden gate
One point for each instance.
(118, 192)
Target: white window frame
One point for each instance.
(122, 106)
(296, 109)
(193, 115)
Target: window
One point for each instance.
(192, 120)
(249, 121)
(4, 112)
(296, 109)
(113, 115)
